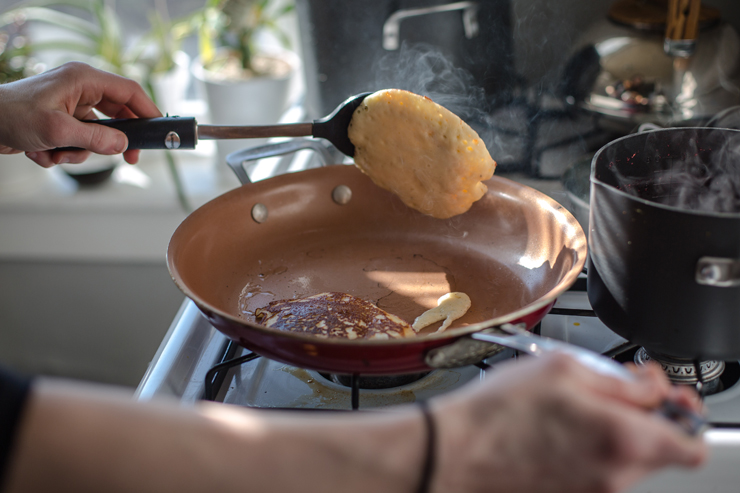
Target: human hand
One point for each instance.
(43, 112)
(551, 425)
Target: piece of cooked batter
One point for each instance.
(449, 308)
(333, 315)
(422, 152)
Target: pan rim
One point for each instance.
(579, 249)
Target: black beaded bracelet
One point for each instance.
(428, 468)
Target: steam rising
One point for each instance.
(693, 174)
(423, 69)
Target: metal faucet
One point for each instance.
(392, 26)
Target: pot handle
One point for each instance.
(718, 272)
(647, 127)
(237, 160)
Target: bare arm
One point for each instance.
(43, 112)
(80, 438)
(540, 425)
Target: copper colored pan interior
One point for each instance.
(515, 247)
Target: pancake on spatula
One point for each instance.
(420, 151)
(333, 315)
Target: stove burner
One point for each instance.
(704, 375)
(376, 381)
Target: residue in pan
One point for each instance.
(403, 278)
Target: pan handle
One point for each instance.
(463, 352)
(237, 160)
(166, 132)
(517, 337)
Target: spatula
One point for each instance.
(175, 132)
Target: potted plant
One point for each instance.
(100, 42)
(246, 81)
(167, 66)
(17, 62)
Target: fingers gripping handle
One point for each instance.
(516, 338)
(169, 132)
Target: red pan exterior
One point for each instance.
(344, 358)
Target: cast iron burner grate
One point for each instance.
(216, 376)
(374, 381)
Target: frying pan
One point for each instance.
(332, 229)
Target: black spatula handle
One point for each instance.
(168, 132)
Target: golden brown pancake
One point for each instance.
(333, 315)
(422, 152)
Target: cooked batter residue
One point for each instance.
(449, 308)
(333, 315)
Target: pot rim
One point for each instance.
(650, 203)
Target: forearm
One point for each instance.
(75, 440)
(8, 115)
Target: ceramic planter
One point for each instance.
(256, 101)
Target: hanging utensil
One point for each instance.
(682, 27)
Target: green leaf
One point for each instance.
(283, 11)
(65, 45)
(55, 18)
(85, 5)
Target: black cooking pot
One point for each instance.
(665, 274)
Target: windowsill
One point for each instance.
(130, 217)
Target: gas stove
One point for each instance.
(196, 362)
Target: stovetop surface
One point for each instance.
(193, 346)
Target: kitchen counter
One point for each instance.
(130, 217)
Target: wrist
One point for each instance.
(359, 452)
(4, 110)
(465, 444)
(429, 448)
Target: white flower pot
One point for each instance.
(170, 87)
(256, 101)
